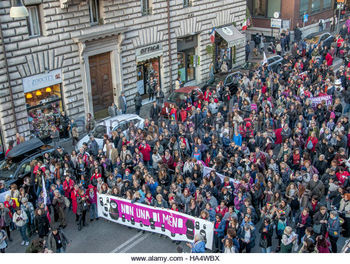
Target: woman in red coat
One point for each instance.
(145, 149)
(314, 141)
(74, 196)
(68, 186)
(329, 59)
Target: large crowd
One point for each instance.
(284, 163)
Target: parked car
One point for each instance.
(274, 63)
(179, 96)
(315, 38)
(232, 81)
(16, 166)
(107, 125)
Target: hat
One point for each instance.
(24, 200)
(127, 170)
(59, 147)
(337, 82)
(90, 186)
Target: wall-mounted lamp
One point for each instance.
(18, 10)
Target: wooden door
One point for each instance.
(101, 83)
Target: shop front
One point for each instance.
(148, 69)
(227, 39)
(43, 95)
(187, 59)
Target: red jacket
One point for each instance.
(342, 176)
(68, 187)
(329, 59)
(74, 195)
(314, 141)
(146, 152)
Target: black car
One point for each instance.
(232, 81)
(16, 166)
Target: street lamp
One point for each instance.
(18, 9)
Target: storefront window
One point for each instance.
(44, 107)
(186, 67)
(146, 70)
(315, 6)
(273, 6)
(304, 6)
(327, 4)
(186, 58)
(259, 7)
(223, 53)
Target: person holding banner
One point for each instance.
(198, 246)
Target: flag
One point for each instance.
(44, 189)
(265, 59)
(244, 25)
(212, 36)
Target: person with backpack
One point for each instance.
(266, 233)
(311, 142)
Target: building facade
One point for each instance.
(291, 12)
(77, 56)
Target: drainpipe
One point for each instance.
(8, 78)
(169, 44)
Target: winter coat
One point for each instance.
(5, 213)
(74, 195)
(334, 227)
(51, 242)
(220, 231)
(146, 152)
(42, 225)
(82, 204)
(20, 219)
(266, 235)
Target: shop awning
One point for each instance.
(232, 35)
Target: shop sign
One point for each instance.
(150, 51)
(39, 81)
(276, 22)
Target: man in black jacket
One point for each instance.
(155, 112)
(297, 33)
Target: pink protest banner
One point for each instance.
(175, 225)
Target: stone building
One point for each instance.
(78, 55)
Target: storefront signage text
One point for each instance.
(36, 82)
(149, 49)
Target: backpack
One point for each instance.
(281, 226)
(310, 145)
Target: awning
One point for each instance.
(232, 36)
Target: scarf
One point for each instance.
(304, 218)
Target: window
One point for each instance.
(315, 6)
(273, 6)
(327, 4)
(33, 21)
(145, 7)
(266, 8)
(259, 8)
(304, 7)
(94, 11)
(187, 3)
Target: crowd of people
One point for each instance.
(279, 164)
